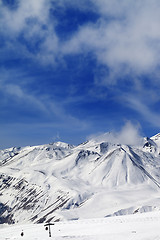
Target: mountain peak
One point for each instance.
(63, 145)
(156, 137)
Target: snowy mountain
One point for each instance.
(94, 179)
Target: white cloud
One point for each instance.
(126, 38)
(129, 134)
(126, 35)
(31, 22)
(16, 20)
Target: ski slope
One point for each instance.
(145, 226)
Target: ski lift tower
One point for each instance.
(48, 227)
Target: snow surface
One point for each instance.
(144, 226)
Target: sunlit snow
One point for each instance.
(136, 227)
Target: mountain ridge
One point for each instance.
(60, 181)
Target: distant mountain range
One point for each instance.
(97, 178)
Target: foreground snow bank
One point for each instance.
(144, 226)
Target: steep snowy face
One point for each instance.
(39, 183)
(156, 139)
(26, 183)
(56, 151)
(103, 165)
(153, 144)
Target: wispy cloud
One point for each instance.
(19, 92)
(144, 110)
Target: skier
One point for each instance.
(22, 233)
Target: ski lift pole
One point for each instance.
(48, 227)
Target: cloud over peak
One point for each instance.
(129, 134)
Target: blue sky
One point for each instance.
(70, 69)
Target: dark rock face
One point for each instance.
(26, 198)
(9, 217)
(104, 147)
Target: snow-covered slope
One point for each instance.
(94, 179)
(136, 227)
